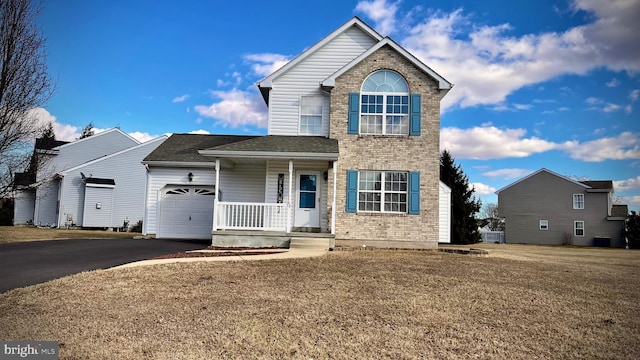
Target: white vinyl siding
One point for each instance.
(305, 77)
(242, 183)
(98, 207)
(130, 176)
(46, 209)
(25, 202)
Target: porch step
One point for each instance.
(299, 242)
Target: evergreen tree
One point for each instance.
(632, 230)
(464, 205)
(87, 131)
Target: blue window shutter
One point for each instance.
(352, 191)
(354, 113)
(416, 114)
(414, 193)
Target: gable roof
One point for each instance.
(547, 171)
(443, 84)
(265, 84)
(97, 136)
(160, 138)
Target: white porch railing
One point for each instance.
(251, 216)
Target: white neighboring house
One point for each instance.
(97, 181)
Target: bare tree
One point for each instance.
(24, 86)
(489, 213)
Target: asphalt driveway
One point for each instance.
(28, 263)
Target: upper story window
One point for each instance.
(578, 201)
(311, 115)
(384, 104)
(384, 107)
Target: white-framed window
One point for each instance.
(578, 228)
(382, 191)
(578, 201)
(311, 115)
(544, 224)
(384, 104)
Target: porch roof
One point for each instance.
(183, 148)
(278, 146)
(194, 149)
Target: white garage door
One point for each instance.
(186, 212)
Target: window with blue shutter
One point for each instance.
(352, 191)
(383, 191)
(354, 113)
(416, 114)
(414, 193)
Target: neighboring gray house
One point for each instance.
(352, 152)
(545, 208)
(98, 181)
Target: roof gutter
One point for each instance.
(269, 155)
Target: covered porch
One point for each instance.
(297, 202)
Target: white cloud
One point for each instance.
(236, 108)
(611, 107)
(487, 63)
(180, 98)
(482, 189)
(613, 83)
(142, 136)
(200, 131)
(507, 174)
(483, 143)
(381, 12)
(634, 95)
(628, 184)
(266, 63)
(625, 146)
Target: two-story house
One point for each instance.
(352, 153)
(550, 209)
(98, 181)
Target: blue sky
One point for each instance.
(544, 83)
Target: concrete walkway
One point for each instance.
(287, 254)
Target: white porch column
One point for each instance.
(215, 198)
(290, 202)
(333, 200)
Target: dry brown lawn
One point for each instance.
(520, 302)
(10, 234)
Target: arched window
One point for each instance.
(384, 104)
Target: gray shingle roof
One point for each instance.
(184, 147)
(289, 144)
(599, 184)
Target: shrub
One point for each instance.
(137, 227)
(567, 238)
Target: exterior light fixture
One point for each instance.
(190, 175)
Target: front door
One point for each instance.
(307, 210)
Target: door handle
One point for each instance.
(189, 217)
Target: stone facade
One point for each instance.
(379, 152)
